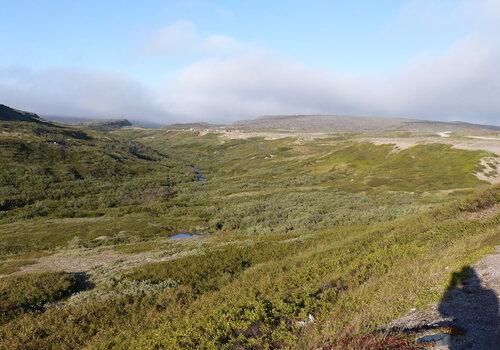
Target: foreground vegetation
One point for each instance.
(300, 243)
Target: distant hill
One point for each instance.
(281, 123)
(10, 114)
(37, 159)
(90, 121)
(110, 125)
(194, 126)
(334, 123)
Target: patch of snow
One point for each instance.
(444, 133)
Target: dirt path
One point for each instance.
(483, 138)
(468, 315)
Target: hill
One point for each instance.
(90, 121)
(334, 123)
(51, 169)
(11, 114)
(109, 125)
(198, 126)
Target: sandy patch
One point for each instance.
(241, 135)
(491, 170)
(476, 144)
(483, 214)
(96, 259)
(483, 138)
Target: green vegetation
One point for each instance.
(32, 291)
(59, 171)
(300, 242)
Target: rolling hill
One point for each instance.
(333, 123)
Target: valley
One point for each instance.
(284, 239)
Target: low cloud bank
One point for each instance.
(229, 80)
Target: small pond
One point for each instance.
(183, 235)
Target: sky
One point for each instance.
(221, 61)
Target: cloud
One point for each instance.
(174, 39)
(76, 92)
(226, 80)
(223, 45)
(183, 39)
(462, 83)
(255, 84)
(484, 13)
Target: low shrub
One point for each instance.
(32, 291)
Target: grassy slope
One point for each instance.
(48, 169)
(327, 227)
(52, 172)
(253, 292)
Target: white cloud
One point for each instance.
(174, 39)
(251, 85)
(231, 80)
(80, 93)
(183, 39)
(461, 83)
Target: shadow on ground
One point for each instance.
(466, 317)
(82, 282)
(472, 311)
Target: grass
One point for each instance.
(350, 233)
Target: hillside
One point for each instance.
(90, 121)
(333, 123)
(48, 169)
(11, 114)
(175, 239)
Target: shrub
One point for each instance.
(30, 292)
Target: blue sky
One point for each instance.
(226, 60)
(349, 35)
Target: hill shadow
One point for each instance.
(473, 312)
